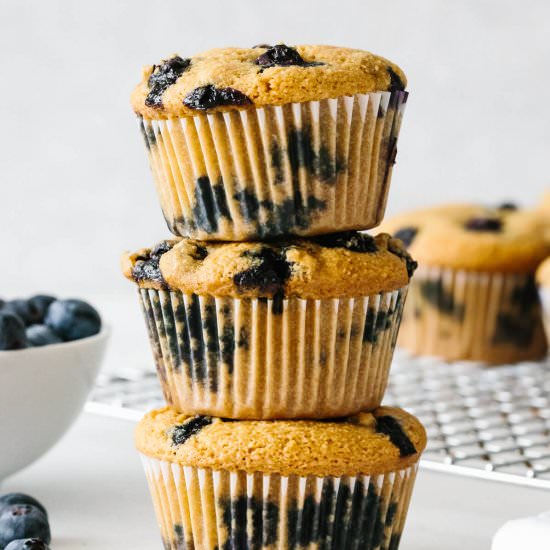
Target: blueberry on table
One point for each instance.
(42, 335)
(21, 521)
(73, 319)
(12, 332)
(27, 544)
(20, 498)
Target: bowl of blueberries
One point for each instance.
(51, 351)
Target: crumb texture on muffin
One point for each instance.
(386, 440)
(330, 266)
(229, 78)
(474, 237)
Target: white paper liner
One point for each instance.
(215, 509)
(489, 317)
(237, 358)
(300, 168)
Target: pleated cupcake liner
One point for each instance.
(264, 359)
(545, 301)
(489, 317)
(301, 168)
(202, 509)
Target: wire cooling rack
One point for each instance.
(491, 423)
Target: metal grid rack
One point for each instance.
(490, 423)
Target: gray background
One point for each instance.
(76, 188)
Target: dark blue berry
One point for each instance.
(350, 240)
(162, 77)
(22, 521)
(20, 498)
(484, 224)
(396, 84)
(509, 206)
(38, 305)
(208, 97)
(283, 56)
(73, 319)
(268, 273)
(406, 235)
(183, 432)
(27, 544)
(147, 267)
(12, 332)
(23, 309)
(389, 426)
(42, 335)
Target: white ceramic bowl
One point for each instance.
(42, 391)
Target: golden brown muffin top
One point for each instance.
(543, 273)
(235, 78)
(474, 237)
(384, 440)
(338, 265)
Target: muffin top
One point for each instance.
(543, 273)
(474, 237)
(338, 265)
(231, 78)
(384, 440)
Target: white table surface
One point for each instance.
(94, 489)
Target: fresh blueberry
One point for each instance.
(32, 311)
(20, 498)
(22, 309)
(42, 335)
(21, 521)
(27, 544)
(39, 305)
(12, 332)
(73, 319)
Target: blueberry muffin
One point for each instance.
(250, 143)
(474, 296)
(280, 329)
(333, 484)
(543, 279)
(545, 202)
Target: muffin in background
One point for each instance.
(474, 295)
(255, 143)
(281, 484)
(543, 280)
(282, 329)
(545, 202)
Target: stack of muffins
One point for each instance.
(272, 320)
